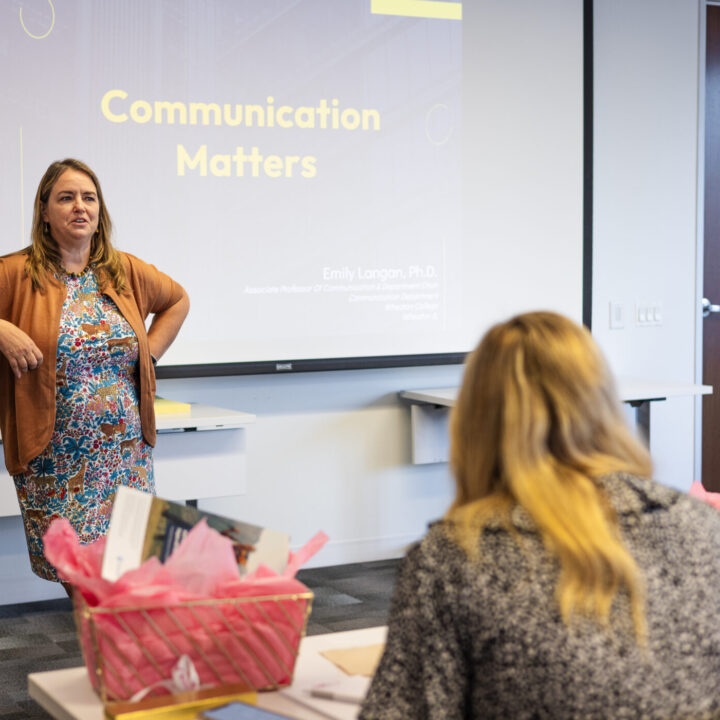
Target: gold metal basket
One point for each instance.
(231, 645)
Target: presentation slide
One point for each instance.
(306, 169)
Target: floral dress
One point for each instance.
(97, 442)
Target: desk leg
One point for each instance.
(642, 419)
(642, 416)
(429, 430)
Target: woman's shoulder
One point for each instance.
(135, 266)
(139, 273)
(438, 537)
(437, 567)
(18, 258)
(632, 495)
(432, 562)
(13, 266)
(436, 550)
(129, 260)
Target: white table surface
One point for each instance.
(429, 412)
(629, 390)
(67, 694)
(203, 417)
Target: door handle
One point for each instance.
(708, 307)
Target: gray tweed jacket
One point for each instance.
(485, 639)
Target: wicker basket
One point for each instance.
(233, 643)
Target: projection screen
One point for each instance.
(329, 179)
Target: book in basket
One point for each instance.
(143, 525)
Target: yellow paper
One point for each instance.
(356, 661)
(171, 407)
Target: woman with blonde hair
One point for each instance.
(562, 582)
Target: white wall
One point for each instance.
(645, 191)
(331, 451)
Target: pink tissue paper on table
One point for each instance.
(249, 635)
(699, 492)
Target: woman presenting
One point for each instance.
(77, 382)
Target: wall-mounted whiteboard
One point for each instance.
(327, 178)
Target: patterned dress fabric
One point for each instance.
(484, 639)
(97, 441)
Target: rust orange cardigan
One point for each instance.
(27, 405)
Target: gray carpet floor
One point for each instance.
(41, 636)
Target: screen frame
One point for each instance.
(394, 361)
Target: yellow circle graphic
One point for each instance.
(49, 30)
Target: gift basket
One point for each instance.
(189, 625)
(250, 642)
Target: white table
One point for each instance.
(429, 411)
(191, 458)
(67, 694)
(201, 454)
(202, 418)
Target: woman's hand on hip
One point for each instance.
(18, 347)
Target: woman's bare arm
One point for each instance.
(166, 325)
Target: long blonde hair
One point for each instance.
(43, 254)
(536, 423)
